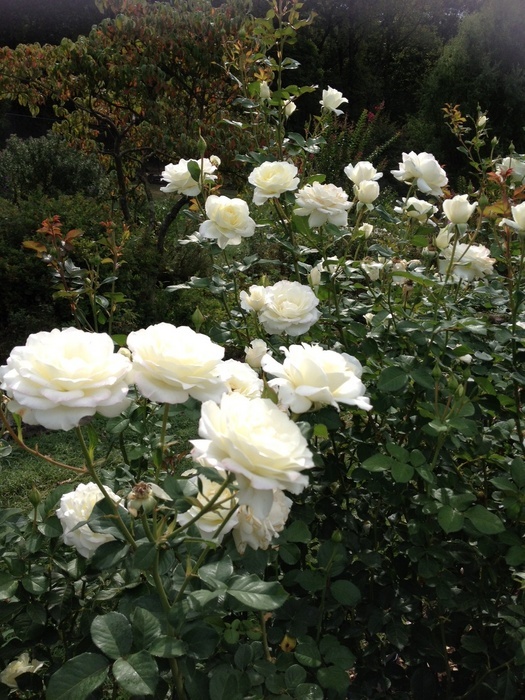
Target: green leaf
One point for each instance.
(109, 554)
(8, 585)
(256, 594)
(201, 640)
(146, 628)
(333, 678)
(137, 674)
(450, 519)
(112, 634)
(297, 531)
(402, 473)
(308, 691)
(167, 647)
(392, 380)
(194, 170)
(217, 573)
(294, 676)
(144, 556)
(345, 592)
(377, 463)
(78, 678)
(308, 654)
(483, 520)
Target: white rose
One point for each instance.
(470, 261)
(258, 443)
(60, 377)
(254, 299)
(516, 164)
(219, 516)
(258, 533)
(179, 179)
(444, 238)
(366, 229)
(367, 191)
(228, 222)
(264, 90)
(240, 377)
(416, 208)
(17, 667)
(271, 179)
(255, 352)
(289, 108)
(311, 377)
(314, 275)
(458, 210)
(323, 204)
(290, 308)
(331, 100)
(429, 176)
(400, 266)
(364, 170)
(76, 507)
(518, 217)
(372, 269)
(172, 363)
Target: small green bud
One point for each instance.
(201, 147)
(197, 319)
(35, 497)
(337, 536)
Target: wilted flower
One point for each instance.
(271, 179)
(219, 516)
(332, 99)
(424, 169)
(240, 377)
(458, 210)
(470, 262)
(367, 191)
(179, 179)
(18, 667)
(518, 217)
(416, 208)
(258, 533)
(172, 363)
(255, 352)
(323, 204)
(291, 308)
(311, 377)
(229, 221)
(364, 170)
(76, 507)
(256, 441)
(144, 496)
(60, 377)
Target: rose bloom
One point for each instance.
(422, 167)
(258, 533)
(172, 363)
(444, 238)
(76, 507)
(367, 191)
(323, 204)
(60, 377)
(470, 261)
(372, 269)
(254, 299)
(264, 90)
(458, 210)
(17, 667)
(416, 208)
(331, 100)
(311, 377)
(240, 377)
(289, 108)
(228, 222)
(255, 352)
(517, 166)
(291, 308)
(209, 523)
(518, 217)
(256, 441)
(179, 179)
(366, 229)
(364, 170)
(271, 179)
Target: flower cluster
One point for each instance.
(285, 307)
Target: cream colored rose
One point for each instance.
(516, 164)
(466, 262)
(271, 179)
(254, 299)
(364, 170)
(255, 352)
(179, 179)
(372, 268)
(264, 90)
(258, 533)
(331, 100)
(76, 507)
(518, 217)
(229, 221)
(416, 208)
(240, 377)
(256, 441)
(311, 377)
(424, 170)
(323, 204)
(458, 210)
(218, 521)
(291, 308)
(17, 667)
(60, 377)
(172, 363)
(367, 191)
